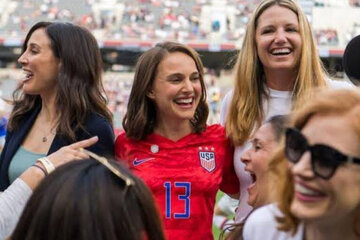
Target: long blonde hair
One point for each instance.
(246, 108)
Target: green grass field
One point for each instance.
(216, 231)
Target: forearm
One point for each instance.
(12, 203)
(33, 176)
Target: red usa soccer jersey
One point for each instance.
(184, 177)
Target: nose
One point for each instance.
(188, 85)
(303, 167)
(245, 158)
(280, 36)
(22, 59)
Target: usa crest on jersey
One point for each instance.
(207, 158)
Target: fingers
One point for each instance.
(80, 155)
(72, 152)
(84, 143)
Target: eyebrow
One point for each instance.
(34, 45)
(174, 75)
(181, 75)
(286, 25)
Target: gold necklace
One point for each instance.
(45, 138)
(45, 134)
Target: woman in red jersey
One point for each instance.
(168, 144)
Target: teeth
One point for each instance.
(301, 189)
(186, 101)
(280, 51)
(27, 74)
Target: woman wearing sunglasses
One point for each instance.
(14, 198)
(97, 200)
(320, 190)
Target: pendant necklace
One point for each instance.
(45, 138)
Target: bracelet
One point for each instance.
(49, 167)
(45, 173)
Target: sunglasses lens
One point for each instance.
(325, 161)
(295, 146)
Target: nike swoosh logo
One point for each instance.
(140, 161)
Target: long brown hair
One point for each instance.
(140, 119)
(79, 84)
(246, 108)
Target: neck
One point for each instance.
(48, 110)
(339, 229)
(173, 130)
(280, 80)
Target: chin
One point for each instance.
(284, 67)
(187, 115)
(307, 213)
(29, 91)
(252, 200)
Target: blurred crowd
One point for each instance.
(192, 20)
(327, 37)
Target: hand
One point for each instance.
(71, 152)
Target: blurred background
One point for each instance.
(126, 28)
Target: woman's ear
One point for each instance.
(150, 94)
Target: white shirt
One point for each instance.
(262, 225)
(12, 203)
(278, 103)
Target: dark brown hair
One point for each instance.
(140, 119)
(79, 83)
(84, 200)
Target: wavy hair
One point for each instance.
(246, 107)
(345, 102)
(79, 83)
(140, 119)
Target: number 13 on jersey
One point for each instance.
(185, 198)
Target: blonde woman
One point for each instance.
(318, 174)
(278, 64)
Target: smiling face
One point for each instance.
(39, 64)
(278, 40)
(176, 89)
(256, 160)
(320, 200)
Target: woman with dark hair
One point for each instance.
(14, 198)
(167, 143)
(60, 100)
(88, 200)
(317, 174)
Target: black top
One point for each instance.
(95, 125)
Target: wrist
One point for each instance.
(47, 164)
(41, 168)
(33, 176)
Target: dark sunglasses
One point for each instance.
(324, 159)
